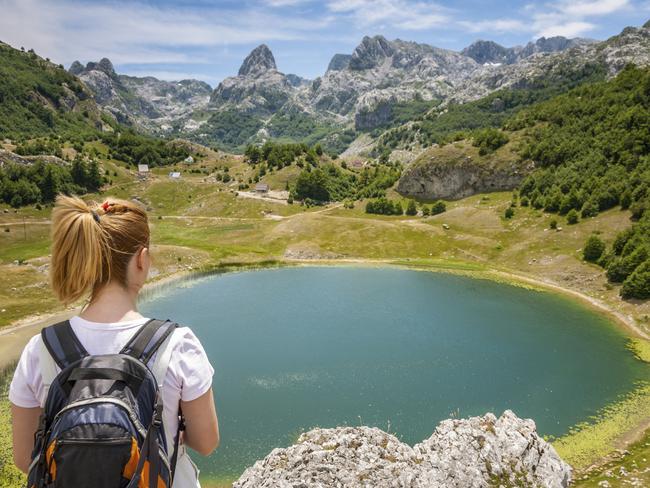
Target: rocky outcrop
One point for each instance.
(478, 452)
(457, 171)
(147, 102)
(632, 45)
(257, 62)
(382, 71)
(339, 62)
(258, 89)
(489, 52)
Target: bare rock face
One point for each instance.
(339, 62)
(143, 101)
(258, 61)
(478, 452)
(259, 88)
(457, 171)
(486, 451)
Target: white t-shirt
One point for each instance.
(189, 375)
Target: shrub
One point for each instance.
(553, 224)
(637, 285)
(383, 206)
(510, 213)
(438, 207)
(411, 209)
(594, 249)
(572, 217)
(622, 267)
(489, 140)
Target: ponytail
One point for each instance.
(92, 245)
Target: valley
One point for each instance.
(528, 166)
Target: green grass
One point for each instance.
(23, 242)
(640, 348)
(10, 476)
(592, 440)
(631, 468)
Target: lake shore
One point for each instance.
(13, 338)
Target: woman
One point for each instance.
(102, 252)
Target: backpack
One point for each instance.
(102, 424)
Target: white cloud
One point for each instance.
(134, 32)
(496, 25)
(571, 18)
(402, 14)
(585, 8)
(285, 3)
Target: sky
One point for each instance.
(208, 40)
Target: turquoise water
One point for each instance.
(296, 348)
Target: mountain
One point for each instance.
(339, 62)
(489, 52)
(259, 88)
(382, 84)
(146, 102)
(631, 46)
(381, 73)
(39, 98)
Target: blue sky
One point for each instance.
(209, 39)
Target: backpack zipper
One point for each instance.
(90, 442)
(91, 401)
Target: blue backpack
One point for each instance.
(102, 425)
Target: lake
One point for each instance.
(295, 348)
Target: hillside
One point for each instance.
(577, 154)
(39, 98)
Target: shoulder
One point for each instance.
(32, 349)
(184, 339)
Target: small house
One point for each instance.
(189, 160)
(174, 175)
(143, 170)
(261, 188)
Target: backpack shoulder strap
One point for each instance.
(62, 344)
(146, 341)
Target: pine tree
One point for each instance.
(50, 185)
(94, 178)
(79, 172)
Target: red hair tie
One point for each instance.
(105, 206)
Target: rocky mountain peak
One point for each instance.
(370, 53)
(258, 61)
(76, 68)
(339, 62)
(104, 65)
(548, 45)
(487, 52)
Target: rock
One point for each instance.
(146, 102)
(489, 52)
(258, 89)
(451, 173)
(478, 452)
(339, 62)
(257, 62)
(76, 68)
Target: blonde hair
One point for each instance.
(92, 244)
